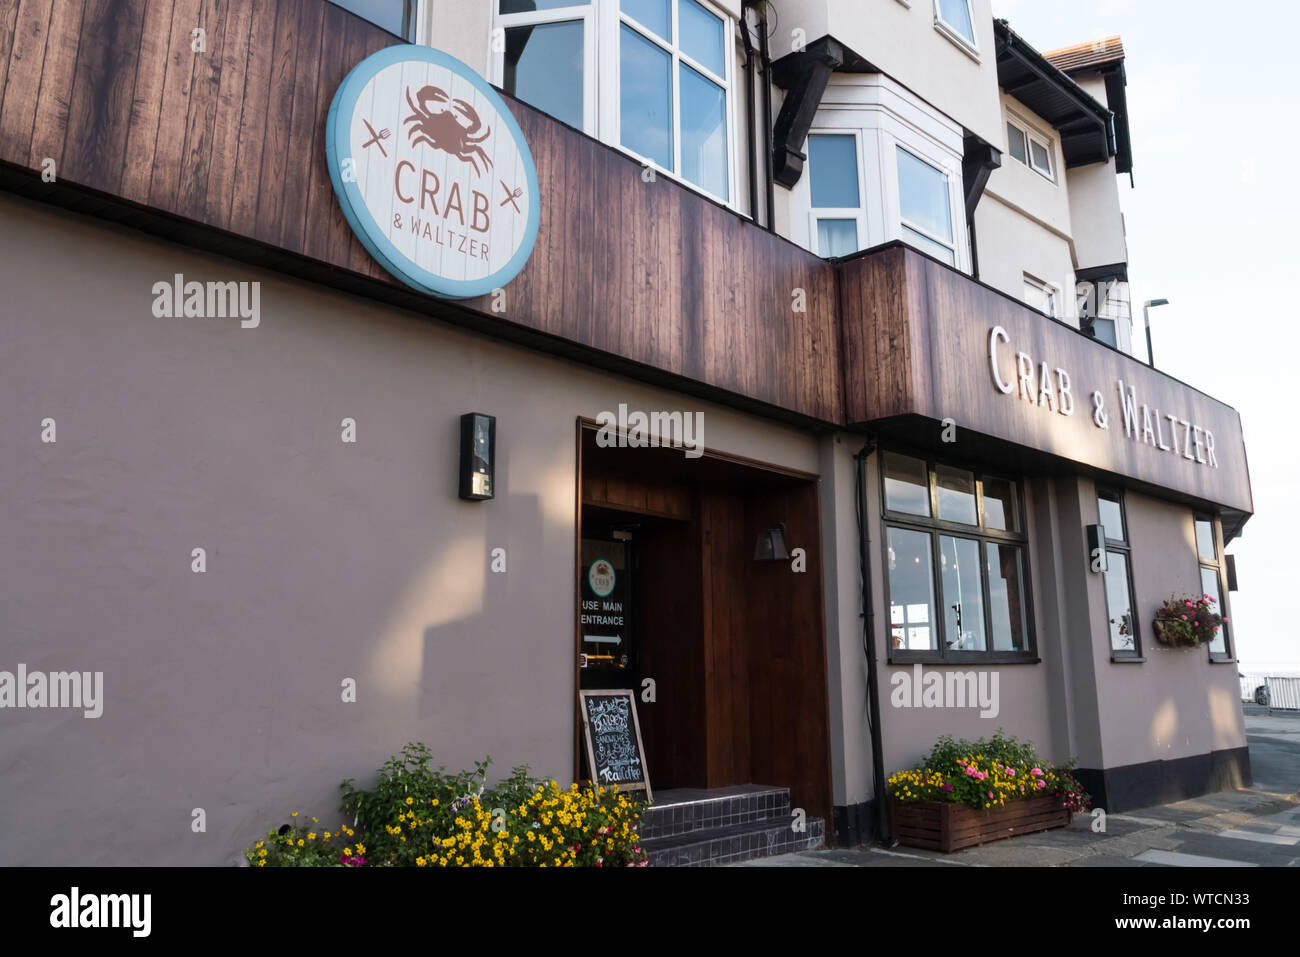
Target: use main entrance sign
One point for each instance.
(433, 172)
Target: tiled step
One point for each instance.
(684, 810)
(731, 844)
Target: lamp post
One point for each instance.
(1146, 321)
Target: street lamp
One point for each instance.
(1146, 321)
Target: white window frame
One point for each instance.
(856, 213)
(602, 23)
(1032, 135)
(954, 220)
(613, 19)
(584, 11)
(1051, 292)
(969, 47)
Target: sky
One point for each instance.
(1211, 226)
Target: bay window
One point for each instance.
(835, 182)
(658, 84)
(955, 569)
(925, 207)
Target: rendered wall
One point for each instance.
(325, 560)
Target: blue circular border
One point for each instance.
(337, 129)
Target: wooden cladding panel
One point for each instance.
(233, 138)
(921, 334)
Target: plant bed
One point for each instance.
(944, 826)
(968, 793)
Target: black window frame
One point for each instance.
(1217, 566)
(1123, 546)
(980, 533)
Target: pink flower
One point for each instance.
(947, 787)
(1011, 772)
(1037, 772)
(990, 794)
(1225, 621)
(1042, 784)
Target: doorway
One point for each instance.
(692, 594)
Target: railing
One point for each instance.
(1283, 694)
(1250, 684)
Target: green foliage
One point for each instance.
(1002, 748)
(987, 774)
(418, 815)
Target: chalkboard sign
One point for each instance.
(613, 733)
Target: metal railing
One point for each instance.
(1283, 693)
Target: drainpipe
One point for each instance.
(869, 641)
(765, 58)
(751, 132)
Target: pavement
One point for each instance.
(1257, 826)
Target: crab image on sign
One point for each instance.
(433, 172)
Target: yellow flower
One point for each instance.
(311, 835)
(293, 813)
(261, 863)
(419, 862)
(410, 800)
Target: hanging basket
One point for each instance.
(1169, 635)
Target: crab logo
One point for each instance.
(441, 128)
(433, 172)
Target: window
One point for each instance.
(1207, 550)
(1030, 149)
(395, 16)
(955, 563)
(835, 184)
(925, 207)
(1042, 296)
(1120, 605)
(954, 19)
(547, 57)
(663, 69)
(673, 68)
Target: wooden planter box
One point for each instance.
(941, 826)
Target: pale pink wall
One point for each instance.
(1176, 703)
(324, 560)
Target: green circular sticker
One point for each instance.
(601, 577)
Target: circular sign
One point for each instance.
(601, 577)
(433, 172)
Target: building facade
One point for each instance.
(864, 264)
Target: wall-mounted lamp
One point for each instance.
(771, 546)
(478, 447)
(1231, 562)
(1097, 549)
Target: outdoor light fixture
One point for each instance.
(771, 546)
(1231, 562)
(478, 446)
(1146, 321)
(1096, 548)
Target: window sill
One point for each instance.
(1127, 659)
(1220, 660)
(970, 659)
(957, 40)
